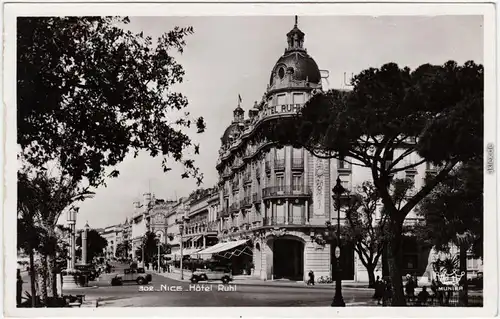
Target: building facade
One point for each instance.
(280, 199)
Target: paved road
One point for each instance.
(162, 292)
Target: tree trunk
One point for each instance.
(464, 298)
(32, 278)
(42, 270)
(394, 261)
(52, 285)
(370, 269)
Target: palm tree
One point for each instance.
(44, 198)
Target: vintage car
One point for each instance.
(216, 273)
(137, 275)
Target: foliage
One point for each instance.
(367, 222)
(150, 244)
(95, 243)
(391, 116)
(89, 93)
(123, 248)
(454, 210)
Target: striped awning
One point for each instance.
(220, 247)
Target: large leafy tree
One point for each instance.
(453, 213)
(89, 92)
(392, 115)
(95, 243)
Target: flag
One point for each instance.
(239, 99)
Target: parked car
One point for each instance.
(137, 275)
(217, 273)
(88, 270)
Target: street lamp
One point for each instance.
(70, 277)
(338, 300)
(159, 255)
(181, 230)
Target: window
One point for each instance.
(281, 99)
(281, 73)
(280, 182)
(298, 98)
(268, 180)
(342, 164)
(297, 182)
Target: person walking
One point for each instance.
(379, 290)
(19, 288)
(311, 278)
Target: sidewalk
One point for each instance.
(252, 281)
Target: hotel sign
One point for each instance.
(285, 108)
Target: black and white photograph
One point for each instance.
(266, 160)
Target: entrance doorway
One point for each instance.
(288, 259)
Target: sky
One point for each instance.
(227, 56)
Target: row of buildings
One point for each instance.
(268, 211)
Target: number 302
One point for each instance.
(146, 288)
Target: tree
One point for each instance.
(89, 93)
(123, 248)
(44, 198)
(390, 116)
(453, 213)
(95, 243)
(367, 224)
(150, 246)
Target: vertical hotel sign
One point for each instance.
(282, 109)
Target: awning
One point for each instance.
(186, 252)
(220, 247)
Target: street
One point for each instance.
(159, 293)
(132, 295)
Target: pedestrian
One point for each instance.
(311, 278)
(423, 296)
(379, 290)
(410, 288)
(19, 288)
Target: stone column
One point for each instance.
(287, 211)
(204, 241)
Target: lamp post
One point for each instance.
(181, 230)
(159, 255)
(84, 243)
(70, 279)
(338, 300)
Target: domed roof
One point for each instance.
(230, 130)
(296, 61)
(300, 64)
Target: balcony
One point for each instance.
(246, 202)
(256, 198)
(247, 178)
(234, 208)
(279, 164)
(297, 163)
(268, 166)
(223, 213)
(286, 191)
(280, 220)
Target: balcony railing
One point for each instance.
(280, 220)
(235, 207)
(297, 163)
(279, 164)
(288, 190)
(247, 178)
(256, 198)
